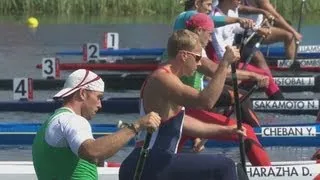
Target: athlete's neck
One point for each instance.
(174, 67)
(73, 106)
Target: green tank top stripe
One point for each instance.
(195, 81)
(59, 163)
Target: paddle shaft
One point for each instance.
(229, 113)
(142, 158)
(237, 42)
(298, 42)
(143, 153)
(256, 46)
(238, 114)
(243, 98)
(248, 60)
(300, 17)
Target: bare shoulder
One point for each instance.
(172, 86)
(165, 78)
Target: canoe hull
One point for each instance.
(12, 170)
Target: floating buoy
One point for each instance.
(32, 22)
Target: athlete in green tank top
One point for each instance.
(66, 164)
(64, 147)
(195, 81)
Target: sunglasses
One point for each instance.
(197, 57)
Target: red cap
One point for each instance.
(200, 20)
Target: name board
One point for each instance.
(289, 131)
(281, 172)
(286, 105)
(303, 63)
(309, 49)
(295, 81)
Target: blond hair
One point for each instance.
(182, 40)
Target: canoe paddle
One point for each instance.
(237, 41)
(256, 45)
(295, 64)
(241, 167)
(142, 158)
(230, 112)
(143, 152)
(242, 99)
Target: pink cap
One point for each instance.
(200, 20)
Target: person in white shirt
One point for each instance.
(224, 36)
(64, 147)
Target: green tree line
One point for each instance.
(289, 8)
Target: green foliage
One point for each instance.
(290, 9)
(90, 7)
(133, 8)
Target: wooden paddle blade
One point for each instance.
(242, 175)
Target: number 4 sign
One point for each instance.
(22, 89)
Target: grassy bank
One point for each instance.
(130, 8)
(90, 7)
(290, 9)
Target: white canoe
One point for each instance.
(293, 170)
(17, 170)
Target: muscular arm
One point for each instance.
(208, 68)
(185, 95)
(231, 20)
(78, 133)
(105, 146)
(251, 10)
(224, 20)
(96, 150)
(195, 128)
(220, 20)
(279, 20)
